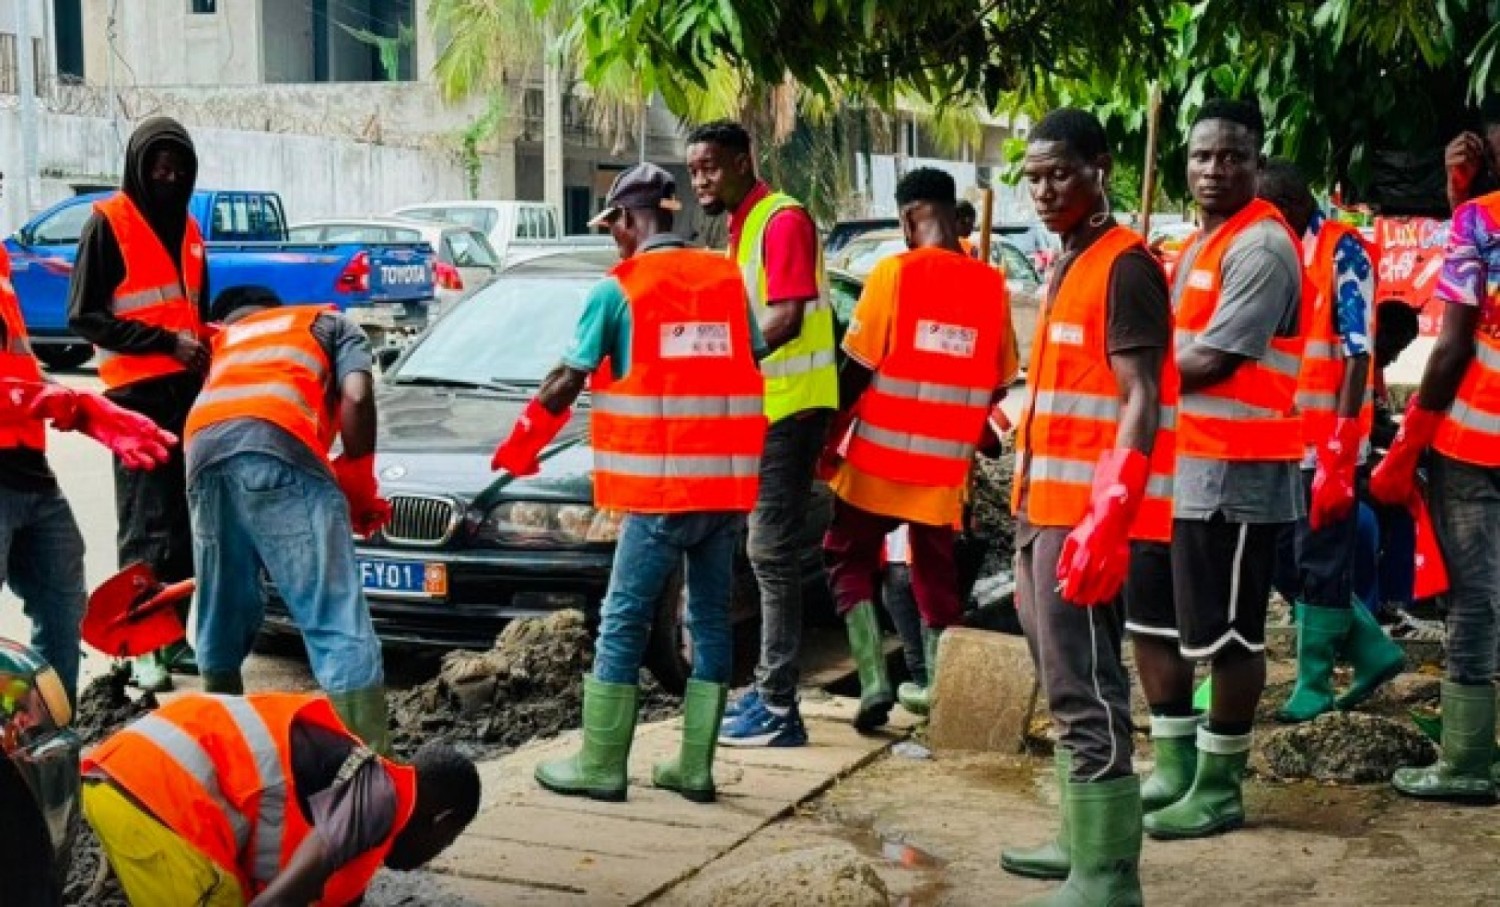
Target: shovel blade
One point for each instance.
(125, 618)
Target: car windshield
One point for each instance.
(512, 332)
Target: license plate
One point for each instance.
(407, 579)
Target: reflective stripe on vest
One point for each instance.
(801, 374)
(1081, 472)
(143, 299)
(193, 759)
(931, 391)
(910, 443)
(647, 466)
(676, 407)
(238, 394)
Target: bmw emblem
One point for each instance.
(393, 472)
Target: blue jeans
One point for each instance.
(1466, 515)
(253, 510)
(41, 557)
(651, 549)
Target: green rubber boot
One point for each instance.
(1320, 634)
(1050, 860)
(916, 698)
(1375, 657)
(1174, 741)
(364, 713)
(149, 673)
(1465, 770)
(228, 682)
(875, 699)
(1104, 820)
(1214, 804)
(692, 772)
(599, 769)
(180, 657)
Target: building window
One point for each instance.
(204, 7)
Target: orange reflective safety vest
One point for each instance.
(1322, 374)
(1073, 403)
(217, 771)
(1471, 432)
(153, 292)
(17, 361)
(269, 366)
(925, 409)
(1253, 414)
(683, 430)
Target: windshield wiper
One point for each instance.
(498, 387)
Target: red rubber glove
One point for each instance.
(1096, 555)
(536, 428)
(39, 400)
(368, 511)
(1431, 572)
(1333, 481)
(1393, 480)
(134, 438)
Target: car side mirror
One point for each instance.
(385, 357)
(24, 237)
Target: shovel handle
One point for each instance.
(165, 597)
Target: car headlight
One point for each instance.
(537, 524)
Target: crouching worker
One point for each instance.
(677, 430)
(284, 383)
(265, 799)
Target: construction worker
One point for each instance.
(1337, 404)
(967, 216)
(1095, 454)
(775, 244)
(266, 799)
(677, 428)
(924, 366)
(284, 383)
(1472, 159)
(1456, 412)
(41, 549)
(1238, 344)
(137, 287)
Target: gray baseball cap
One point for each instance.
(642, 186)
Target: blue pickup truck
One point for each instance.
(385, 286)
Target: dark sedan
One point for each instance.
(469, 549)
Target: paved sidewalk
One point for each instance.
(528, 846)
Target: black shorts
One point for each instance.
(1208, 590)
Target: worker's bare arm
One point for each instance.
(561, 388)
(301, 883)
(357, 415)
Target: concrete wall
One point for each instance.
(166, 44)
(287, 51)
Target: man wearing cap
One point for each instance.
(677, 429)
(284, 383)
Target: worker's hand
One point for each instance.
(191, 352)
(1095, 556)
(1393, 481)
(135, 439)
(368, 511)
(1464, 160)
(1333, 481)
(533, 431)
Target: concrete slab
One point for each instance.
(528, 846)
(986, 692)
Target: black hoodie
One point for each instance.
(100, 268)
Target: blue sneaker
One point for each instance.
(745, 702)
(761, 727)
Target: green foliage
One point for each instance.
(389, 48)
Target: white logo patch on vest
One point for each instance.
(947, 339)
(694, 339)
(239, 333)
(1201, 280)
(1066, 333)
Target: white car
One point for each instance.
(464, 260)
(516, 230)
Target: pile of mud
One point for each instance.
(990, 501)
(830, 876)
(528, 687)
(90, 881)
(104, 707)
(1345, 748)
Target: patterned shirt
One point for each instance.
(1471, 263)
(1354, 284)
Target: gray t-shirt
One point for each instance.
(348, 349)
(1259, 299)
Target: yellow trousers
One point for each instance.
(155, 866)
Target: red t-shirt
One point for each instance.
(791, 249)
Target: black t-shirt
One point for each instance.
(21, 468)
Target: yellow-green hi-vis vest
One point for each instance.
(800, 375)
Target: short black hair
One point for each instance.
(1282, 179)
(1243, 112)
(927, 184)
(239, 297)
(449, 778)
(965, 208)
(727, 134)
(1489, 111)
(1078, 129)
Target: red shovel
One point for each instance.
(133, 613)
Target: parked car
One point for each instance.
(1168, 240)
(1034, 241)
(470, 549)
(386, 286)
(845, 231)
(516, 230)
(850, 267)
(38, 779)
(465, 261)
